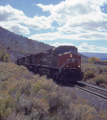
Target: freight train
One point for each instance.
(62, 62)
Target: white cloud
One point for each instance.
(45, 36)
(84, 47)
(60, 44)
(17, 28)
(7, 13)
(78, 20)
(16, 21)
(80, 36)
(38, 23)
(12, 19)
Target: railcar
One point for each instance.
(62, 62)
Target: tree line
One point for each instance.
(93, 60)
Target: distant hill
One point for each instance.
(17, 45)
(103, 56)
(84, 58)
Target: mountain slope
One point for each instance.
(84, 58)
(18, 45)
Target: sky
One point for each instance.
(81, 23)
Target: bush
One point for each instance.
(100, 70)
(4, 56)
(6, 106)
(102, 115)
(99, 79)
(83, 112)
(89, 74)
(24, 97)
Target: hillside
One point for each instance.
(84, 58)
(17, 45)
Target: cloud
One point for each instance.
(78, 20)
(60, 44)
(38, 23)
(13, 19)
(16, 21)
(17, 28)
(84, 47)
(81, 36)
(7, 13)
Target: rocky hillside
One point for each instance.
(84, 58)
(17, 45)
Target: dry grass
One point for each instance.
(30, 97)
(95, 74)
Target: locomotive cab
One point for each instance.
(68, 63)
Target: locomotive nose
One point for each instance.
(71, 60)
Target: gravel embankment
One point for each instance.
(95, 101)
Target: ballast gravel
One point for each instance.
(95, 101)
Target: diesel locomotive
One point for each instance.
(62, 62)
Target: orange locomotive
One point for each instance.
(62, 62)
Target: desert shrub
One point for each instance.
(68, 92)
(48, 85)
(42, 94)
(89, 74)
(11, 90)
(3, 85)
(82, 101)
(99, 79)
(25, 105)
(41, 106)
(87, 66)
(36, 87)
(44, 84)
(83, 112)
(4, 56)
(25, 97)
(25, 86)
(100, 70)
(102, 115)
(6, 106)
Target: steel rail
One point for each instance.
(99, 88)
(91, 92)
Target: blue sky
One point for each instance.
(82, 23)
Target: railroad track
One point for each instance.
(98, 91)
